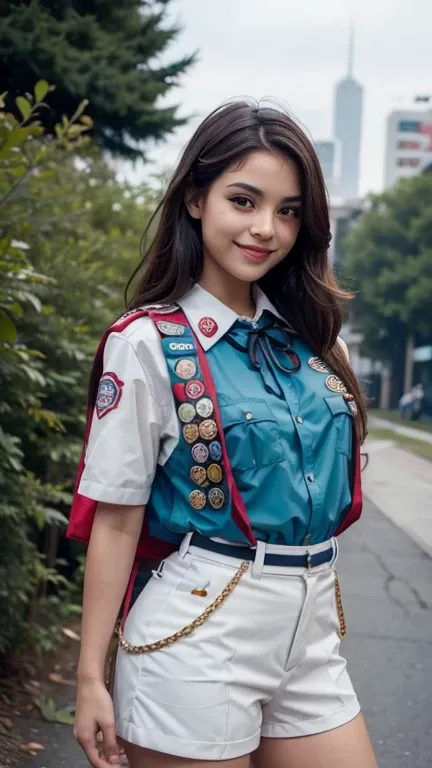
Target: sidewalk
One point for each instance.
(400, 485)
(415, 434)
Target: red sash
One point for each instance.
(84, 509)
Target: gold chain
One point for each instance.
(339, 607)
(159, 644)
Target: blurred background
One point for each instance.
(97, 100)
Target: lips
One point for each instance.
(254, 252)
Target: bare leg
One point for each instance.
(348, 745)
(147, 758)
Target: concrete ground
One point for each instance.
(386, 581)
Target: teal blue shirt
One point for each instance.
(288, 435)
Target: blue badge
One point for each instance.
(215, 450)
(179, 347)
(109, 394)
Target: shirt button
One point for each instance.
(248, 415)
(299, 420)
(310, 478)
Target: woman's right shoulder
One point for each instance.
(142, 336)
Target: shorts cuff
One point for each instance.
(194, 750)
(311, 727)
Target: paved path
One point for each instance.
(415, 434)
(385, 580)
(400, 485)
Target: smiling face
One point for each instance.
(250, 217)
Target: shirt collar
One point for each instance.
(210, 319)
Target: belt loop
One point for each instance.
(184, 546)
(258, 563)
(335, 552)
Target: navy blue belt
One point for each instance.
(245, 553)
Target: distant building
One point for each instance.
(348, 111)
(326, 151)
(408, 144)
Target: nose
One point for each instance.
(262, 225)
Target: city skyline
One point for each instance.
(296, 55)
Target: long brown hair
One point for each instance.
(302, 287)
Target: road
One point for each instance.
(386, 585)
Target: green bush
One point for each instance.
(69, 236)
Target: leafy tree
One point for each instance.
(388, 260)
(106, 51)
(69, 237)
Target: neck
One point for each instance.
(235, 294)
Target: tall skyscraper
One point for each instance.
(347, 128)
(325, 150)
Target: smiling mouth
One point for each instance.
(254, 252)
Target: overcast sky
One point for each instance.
(295, 51)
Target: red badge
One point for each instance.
(208, 326)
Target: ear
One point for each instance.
(193, 203)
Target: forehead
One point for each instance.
(272, 172)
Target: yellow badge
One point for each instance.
(198, 475)
(197, 499)
(190, 433)
(214, 473)
(208, 429)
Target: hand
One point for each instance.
(94, 713)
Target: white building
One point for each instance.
(408, 144)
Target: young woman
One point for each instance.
(223, 439)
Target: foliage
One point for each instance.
(69, 236)
(388, 259)
(103, 50)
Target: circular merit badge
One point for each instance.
(208, 429)
(198, 475)
(190, 433)
(194, 389)
(185, 369)
(215, 449)
(200, 453)
(170, 329)
(334, 384)
(317, 364)
(204, 407)
(214, 473)
(186, 412)
(198, 499)
(216, 498)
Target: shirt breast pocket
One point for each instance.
(342, 420)
(251, 434)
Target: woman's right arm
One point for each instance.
(120, 463)
(110, 556)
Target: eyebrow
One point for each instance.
(260, 193)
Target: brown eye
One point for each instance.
(290, 211)
(241, 201)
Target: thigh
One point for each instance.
(147, 758)
(348, 745)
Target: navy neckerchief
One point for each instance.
(263, 343)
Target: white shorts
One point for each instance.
(266, 662)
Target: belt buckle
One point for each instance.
(309, 561)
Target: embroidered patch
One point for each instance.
(208, 326)
(335, 384)
(170, 329)
(109, 394)
(317, 364)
